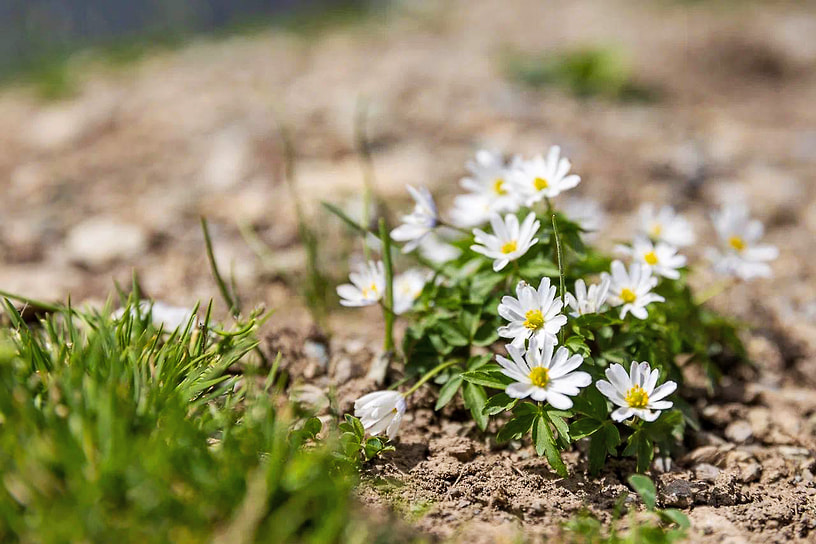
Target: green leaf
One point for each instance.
(356, 426)
(486, 334)
(311, 427)
(498, 404)
(597, 453)
(586, 426)
(542, 434)
(591, 403)
(475, 399)
(560, 426)
(478, 361)
(373, 446)
(644, 487)
(448, 391)
(675, 516)
(493, 378)
(515, 428)
(453, 335)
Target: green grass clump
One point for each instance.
(115, 431)
(585, 72)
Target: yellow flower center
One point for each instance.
(650, 258)
(540, 184)
(540, 376)
(535, 319)
(370, 289)
(637, 397)
(498, 187)
(656, 230)
(509, 247)
(627, 295)
(737, 243)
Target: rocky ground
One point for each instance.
(116, 177)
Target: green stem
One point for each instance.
(428, 375)
(388, 314)
(32, 302)
(219, 280)
(560, 257)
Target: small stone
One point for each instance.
(343, 370)
(538, 506)
(750, 472)
(706, 472)
(101, 240)
(317, 351)
(739, 431)
(677, 494)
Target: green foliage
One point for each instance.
(354, 446)
(660, 527)
(584, 72)
(116, 431)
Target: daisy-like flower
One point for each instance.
(488, 191)
(381, 411)
(407, 287)
(665, 225)
(544, 377)
(509, 240)
(534, 314)
(631, 290)
(587, 213)
(585, 301)
(635, 393)
(741, 254)
(416, 225)
(437, 250)
(367, 285)
(541, 178)
(661, 258)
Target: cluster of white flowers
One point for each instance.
(496, 191)
(367, 287)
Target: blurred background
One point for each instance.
(121, 123)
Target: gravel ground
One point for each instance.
(116, 177)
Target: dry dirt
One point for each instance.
(116, 177)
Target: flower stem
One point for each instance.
(388, 314)
(428, 375)
(560, 256)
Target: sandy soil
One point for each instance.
(116, 177)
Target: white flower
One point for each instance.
(741, 254)
(589, 215)
(665, 225)
(541, 178)
(488, 191)
(632, 290)
(542, 376)
(635, 393)
(418, 223)
(534, 314)
(381, 411)
(585, 302)
(509, 241)
(367, 285)
(437, 250)
(661, 258)
(407, 287)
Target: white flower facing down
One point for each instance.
(742, 256)
(407, 287)
(367, 285)
(509, 240)
(542, 376)
(534, 314)
(635, 393)
(540, 178)
(381, 411)
(590, 301)
(631, 290)
(416, 225)
(661, 258)
(665, 225)
(488, 191)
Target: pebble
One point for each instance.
(101, 240)
(677, 494)
(739, 431)
(750, 472)
(706, 472)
